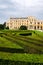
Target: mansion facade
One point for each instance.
(30, 22)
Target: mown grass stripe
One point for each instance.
(25, 44)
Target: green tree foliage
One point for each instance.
(1, 26)
(7, 27)
(23, 28)
(4, 25)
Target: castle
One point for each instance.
(30, 22)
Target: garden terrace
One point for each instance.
(21, 47)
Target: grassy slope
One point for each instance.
(36, 58)
(6, 43)
(19, 57)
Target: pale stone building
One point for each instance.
(30, 22)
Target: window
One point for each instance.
(32, 19)
(10, 26)
(34, 22)
(31, 27)
(38, 22)
(15, 27)
(41, 27)
(22, 20)
(20, 23)
(37, 27)
(41, 22)
(34, 27)
(27, 21)
(16, 20)
(10, 23)
(30, 22)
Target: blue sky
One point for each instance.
(20, 8)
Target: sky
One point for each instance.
(20, 8)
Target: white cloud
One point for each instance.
(2, 6)
(27, 2)
(21, 8)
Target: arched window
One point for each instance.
(37, 27)
(41, 27)
(34, 27)
(38, 22)
(30, 22)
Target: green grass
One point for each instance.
(6, 43)
(24, 41)
(32, 44)
(36, 58)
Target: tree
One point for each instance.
(4, 25)
(1, 26)
(23, 28)
(7, 27)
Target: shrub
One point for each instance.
(7, 27)
(23, 28)
(1, 26)
(25, 34)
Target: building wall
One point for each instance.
(31, 22)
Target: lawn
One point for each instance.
(21, 46)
